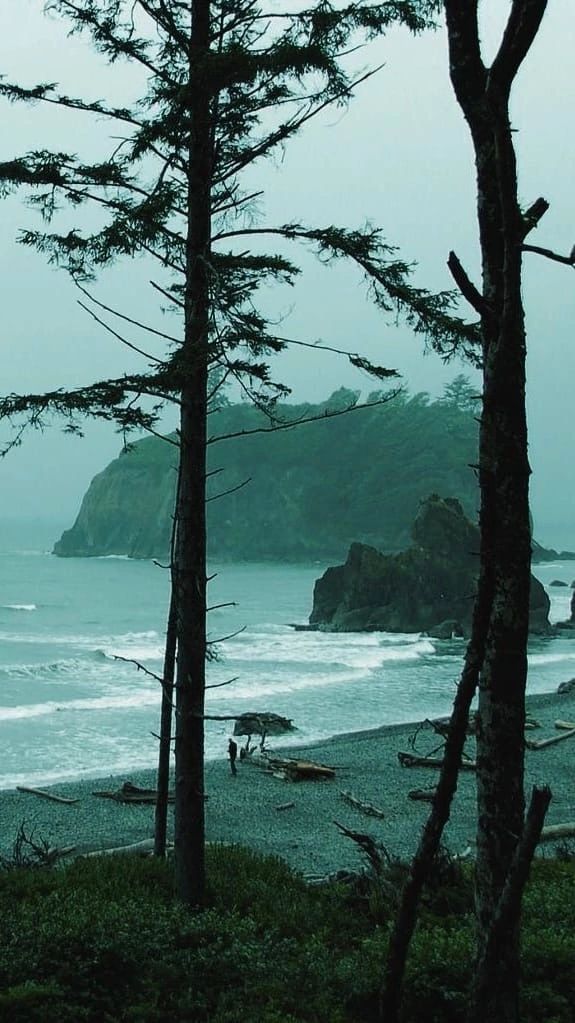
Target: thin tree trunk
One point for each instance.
(485, 996)
(166, 714)
(190, 560)
(504, 478)
(400, 939)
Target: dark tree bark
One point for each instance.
(497, 654)
(430, 841)
(483, 95)
(485, 997)
(190, 553)
(166, 715)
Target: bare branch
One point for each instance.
(218, 685)
(119, 337)
(466, 286)
(522, 26)
(232, 490)
(549, 254)
(306, 419)
(140, 667)
(533, 215)
(128, 319)
(467, 70)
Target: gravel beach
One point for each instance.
(244, 809)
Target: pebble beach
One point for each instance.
(250, 808)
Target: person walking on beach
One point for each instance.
(232, 753)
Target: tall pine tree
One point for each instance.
(229, 82)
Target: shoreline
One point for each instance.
(249, 809)
(532, 701)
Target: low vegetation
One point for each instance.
(103, 941)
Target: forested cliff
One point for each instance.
(312, 489)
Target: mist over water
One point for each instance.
(69, 708)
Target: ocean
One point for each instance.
(70, 709)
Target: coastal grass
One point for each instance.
(103, 940)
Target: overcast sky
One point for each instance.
(399, 157)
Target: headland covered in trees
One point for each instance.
(310, 491)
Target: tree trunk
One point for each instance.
(429, 843)
(506, 542)
(190, 554)
(166, 714)
(504, 478)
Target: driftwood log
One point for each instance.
(555, 832)
(543, 743)
(285, 806)
(130, 793)
(298, 770)
(425, 795)
(412, 760)
(565, 725)
(358, 804)
(143, 848)
(57, 852)
(45, 795)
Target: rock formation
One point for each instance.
(429, 587)
(311, 490)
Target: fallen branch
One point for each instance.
(411, 760)
(285, 806)
(556, 831)
(367, 808)
(375, 852)
(45, 795)
(543, 743)
(566, 725)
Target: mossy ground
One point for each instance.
(103, 940)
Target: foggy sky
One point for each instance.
(399, 157)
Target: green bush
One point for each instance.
(103, 941)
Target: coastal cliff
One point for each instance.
(312, 489)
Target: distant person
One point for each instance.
(233, 753)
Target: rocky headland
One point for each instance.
(309, 490)
(429, 587)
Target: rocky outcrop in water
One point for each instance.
(428, 588)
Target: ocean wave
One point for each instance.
(112, 557)
(143, 698)
(539, 659)
(253, 688)
(337, 649)
(93, 663)
(65, 666)
(19, 607)
(139, 645)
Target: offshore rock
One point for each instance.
(568, 625)
(264, 723)
(428, 588)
